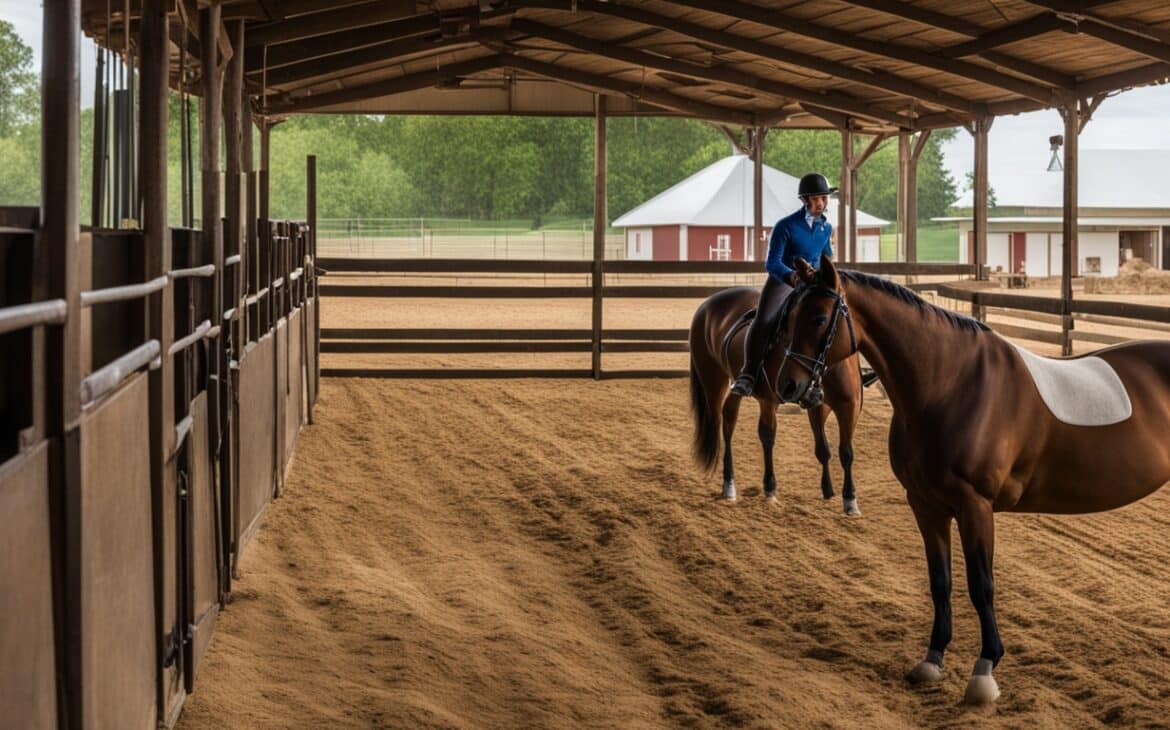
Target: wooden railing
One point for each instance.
(595, 339)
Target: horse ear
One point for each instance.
(829, 273)
(803, 269)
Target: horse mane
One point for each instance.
(909, 296)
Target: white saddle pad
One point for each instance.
(1081, 392)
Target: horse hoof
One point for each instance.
(770, 497)
(729, 491)
(981, 688)
(852, 508)
(925, 673)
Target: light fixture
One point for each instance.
(1055, 165)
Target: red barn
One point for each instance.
(709, 216)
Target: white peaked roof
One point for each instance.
(1105, 179)
(721, 195)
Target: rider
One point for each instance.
(807, 234)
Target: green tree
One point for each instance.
(19, 89)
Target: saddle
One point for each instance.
(746, 319)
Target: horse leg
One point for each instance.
(730, 414)
(767, 432)
(816, 418)
(846, 424)
(934, 522)
(977, 531)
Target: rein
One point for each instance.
(817, 366)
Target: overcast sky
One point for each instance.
(1137, 119)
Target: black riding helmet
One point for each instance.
(814, 183)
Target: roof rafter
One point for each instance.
(905, 11)
(330, 21)
(876, 78)
(833, 100)
(256, 59)
(700, 109)
(1155, 49)
(339, 64)
(409, 82)
(798, 26)
(1023, 30)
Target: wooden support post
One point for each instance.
(58, 396)
(981, 128)
(845, 235)
(311, 279)
(1069, 255)
(264, 232)
(903, 186)
(599, 222)
(759, 242)
(169, 628)
(912, 195)
(211, 209)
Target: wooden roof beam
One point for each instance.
(801, 27)
(829, 99)
(331, 21)
(872, 78)
(1155, 49)
(280, 9)
(1035, 26)
(286, 54)
(905, 11)
(401, 84)
(607, 84)
(342, 64)
(1155, 73)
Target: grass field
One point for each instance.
(935, 243)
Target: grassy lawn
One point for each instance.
(935, 243)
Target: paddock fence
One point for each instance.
(597, 282)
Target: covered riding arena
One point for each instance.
(488, 515)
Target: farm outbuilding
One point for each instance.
(1124, 213)
(156, 379)
(709, 216)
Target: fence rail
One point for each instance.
(512, 340)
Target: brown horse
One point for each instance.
(716, 343)
(961, 452)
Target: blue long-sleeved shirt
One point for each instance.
(792, 237)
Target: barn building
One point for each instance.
(709, 217)
(1124, 213)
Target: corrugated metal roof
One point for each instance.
(721, 195)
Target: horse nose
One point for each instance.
(790, 392)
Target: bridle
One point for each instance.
(814, 395)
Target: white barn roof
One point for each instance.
(1106, 179)
(721, 195)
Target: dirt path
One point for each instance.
(544, 554)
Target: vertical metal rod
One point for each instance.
(599, 221)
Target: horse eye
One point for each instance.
(821, 320)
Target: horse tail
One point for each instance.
(708, 422)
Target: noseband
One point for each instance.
(819, 365)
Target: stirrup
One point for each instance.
(743, 385)
(868, 377)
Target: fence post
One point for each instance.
(598, 230)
